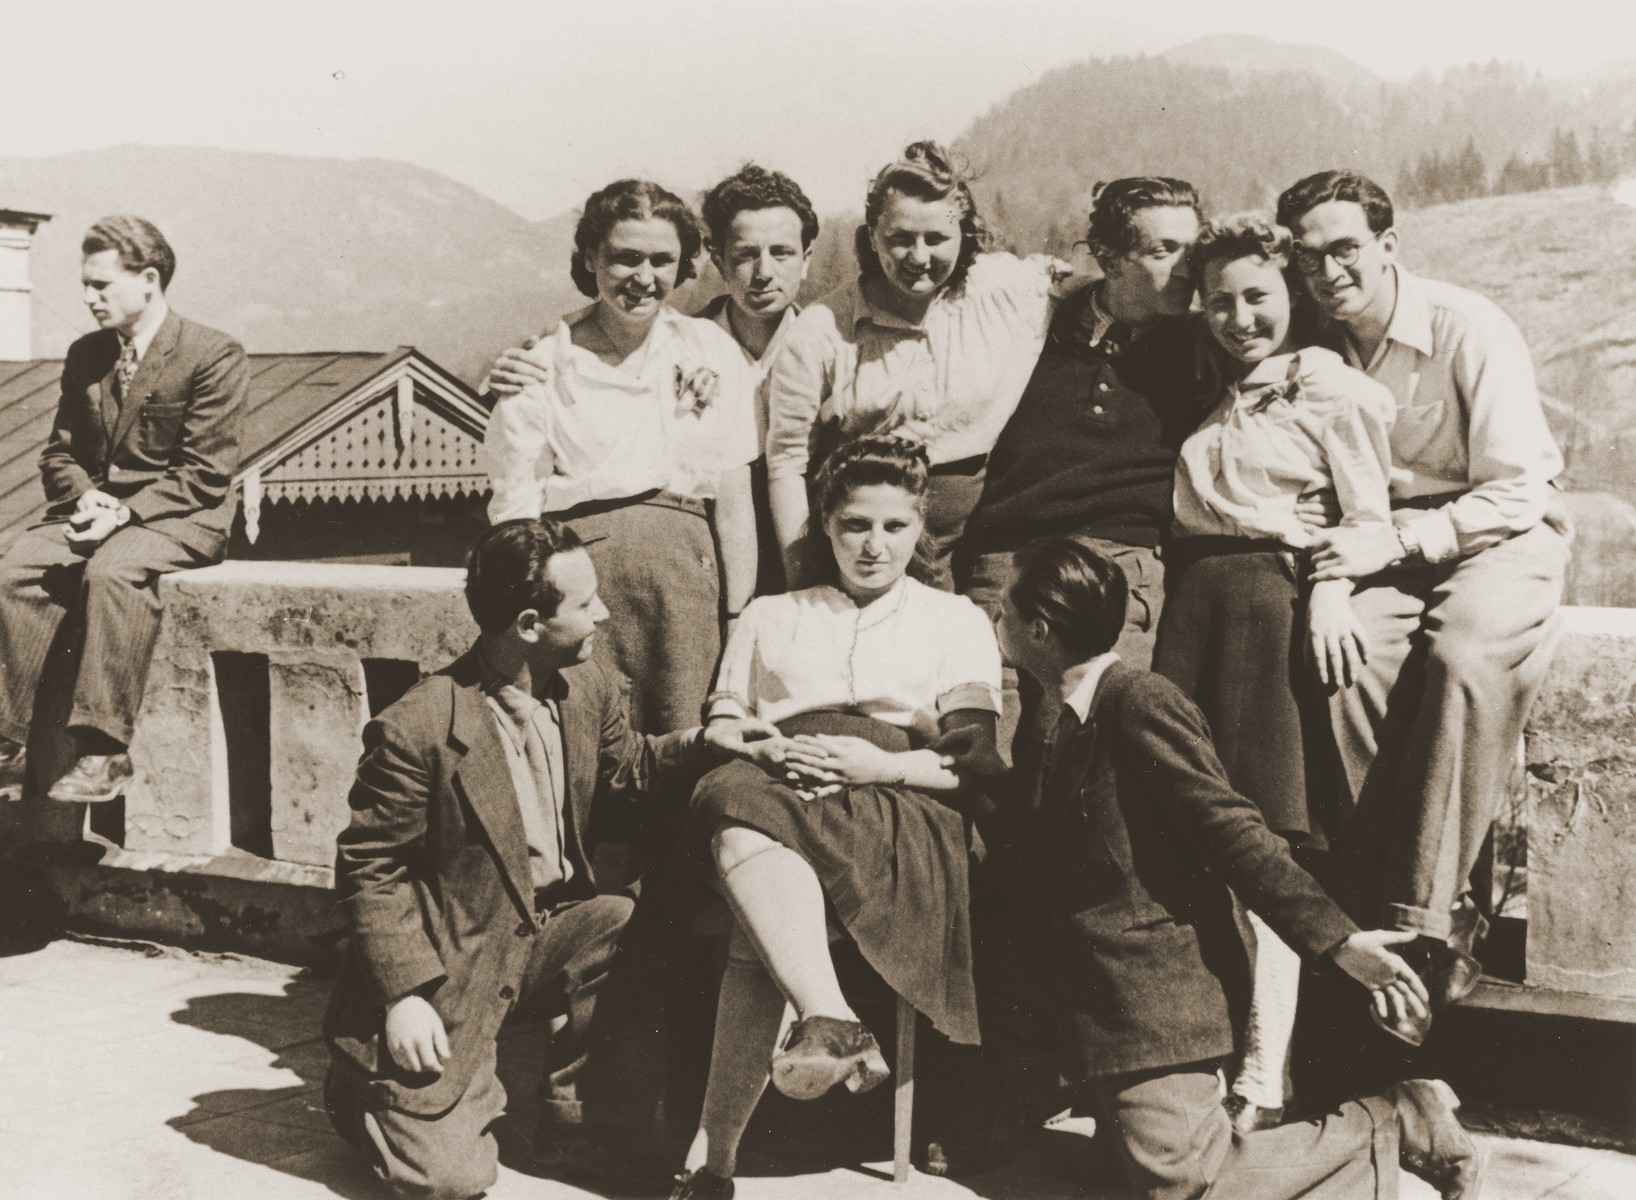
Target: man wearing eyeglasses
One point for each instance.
(1459, 600)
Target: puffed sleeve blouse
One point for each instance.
(599, 432)
(951, 381)
(1296, 423)
(907, 657)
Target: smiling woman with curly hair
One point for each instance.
(635, 425)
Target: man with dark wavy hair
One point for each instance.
(1459, 597)
(138, 474)
(1091, 449)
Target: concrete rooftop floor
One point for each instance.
(136, 1072)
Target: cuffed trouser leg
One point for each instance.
(1427, 737)
(1175, 1142)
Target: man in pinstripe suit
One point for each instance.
(138, 473)
(466, 890)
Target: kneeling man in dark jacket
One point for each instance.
(1115, 856)
(466, 889)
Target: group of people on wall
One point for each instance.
(1098, 656)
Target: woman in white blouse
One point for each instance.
(934, 340)
(640, 436)
(885, 692)
(1240, 622)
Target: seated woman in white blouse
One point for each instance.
(886, 692)
(935, 339)
(640, 435)
(1240, 623)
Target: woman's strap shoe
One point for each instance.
(823, 1051)
(701, 1184)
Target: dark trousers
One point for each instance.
(116, 588)
(588, 965)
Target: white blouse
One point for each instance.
(905, 658)
(599, 432)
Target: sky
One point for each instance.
(536, 105)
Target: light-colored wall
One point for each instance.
(16, 292)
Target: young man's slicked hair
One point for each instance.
(137, 242)
(1307, 194)
(1114, 206)
(505, 571)
(1079, 594)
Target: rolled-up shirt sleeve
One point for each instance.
(800, 381)
(1512, 456)
(517, 455)
(969, 675)
(731, 696)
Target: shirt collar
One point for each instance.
(145, 338)
(491, 679)
(1079, 683)
(1411, 322)
(864, 309)
(717, 311)
(1100, 322)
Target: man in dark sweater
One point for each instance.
(1092, 447)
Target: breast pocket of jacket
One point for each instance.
(159, 427)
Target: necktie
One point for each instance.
(127, 366)
(542, 813)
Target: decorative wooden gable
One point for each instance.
(410, 431)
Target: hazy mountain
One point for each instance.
(291, 253)
(1246, 52)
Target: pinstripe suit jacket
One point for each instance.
(170, 450)
(432, 873)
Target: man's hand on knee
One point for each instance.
(415, 1036)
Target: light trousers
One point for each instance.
(1429, 734)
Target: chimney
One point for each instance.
(16, 328)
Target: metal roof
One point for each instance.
(286, 391)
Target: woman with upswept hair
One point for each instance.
(934, 341)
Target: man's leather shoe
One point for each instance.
(13, 766)
(823, 1051)
(94, 779)
(701, 1184)
(1432, 1144)
(1454, 976)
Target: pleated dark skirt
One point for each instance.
(656, 569)
(892, 862)
(1231, 636)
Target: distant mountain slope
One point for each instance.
(1245, 125)
(1246, 52)
(292, 253)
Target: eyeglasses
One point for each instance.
(1344, 252)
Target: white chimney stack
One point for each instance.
(16, 327)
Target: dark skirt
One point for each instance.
(892, 862)
(1232, 636)
(656, 569)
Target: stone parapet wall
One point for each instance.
(266, 673)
